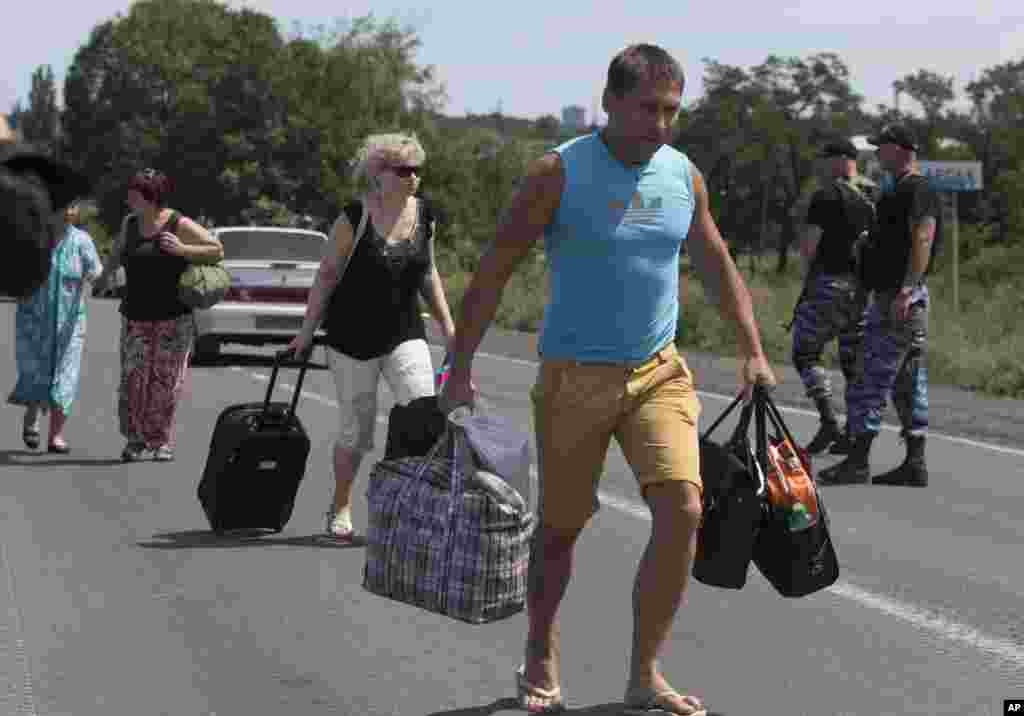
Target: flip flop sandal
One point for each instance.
(647, 702)
(30, 438)
(525, 691)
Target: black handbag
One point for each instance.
(413, 429)
(797, 562)
(733, 490)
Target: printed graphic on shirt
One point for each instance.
(647, 212)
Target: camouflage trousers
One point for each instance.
(894, 365)
(832, 307)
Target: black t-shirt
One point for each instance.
(374, 308)
(842, 216)
(906, 205)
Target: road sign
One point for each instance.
(952, 176)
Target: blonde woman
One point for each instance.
(371, 315)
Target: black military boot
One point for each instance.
(828, 431)
(913, 472)
(854, 470)
(842, 444)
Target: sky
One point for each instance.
(532, 57)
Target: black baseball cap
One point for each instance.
(840, 148)
(897, 134)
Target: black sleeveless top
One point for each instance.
(374, 307)
(151, 276)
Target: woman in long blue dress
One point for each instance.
(49, 335)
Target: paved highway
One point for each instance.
(114, 598)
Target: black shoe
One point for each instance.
(847, 472)
(912, 472)
(854, 470)
(59, 448)
(828, 433)
(842, 444)
(908, 474)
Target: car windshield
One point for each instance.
(271, 246)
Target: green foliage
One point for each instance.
(247, 123)
(39, 122)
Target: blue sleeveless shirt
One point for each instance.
(613, 254)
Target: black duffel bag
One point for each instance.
(733, 490)
(797, 561)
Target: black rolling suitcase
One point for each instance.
(257, 459)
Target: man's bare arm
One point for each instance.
(532, 208)
(922, 235)
(718, 271)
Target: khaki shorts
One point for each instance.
(650, 408)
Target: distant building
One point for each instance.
(574, 118)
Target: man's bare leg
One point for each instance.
(661, 581)
(550, 569)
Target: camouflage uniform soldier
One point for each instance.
(897, 260)
(833, 302)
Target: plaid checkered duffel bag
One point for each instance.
(446, 538)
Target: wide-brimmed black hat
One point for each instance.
(64, 183)
(840, 148)
(897, 134)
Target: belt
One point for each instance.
(661, 356)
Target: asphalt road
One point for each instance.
(114, 598)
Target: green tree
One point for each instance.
(933, 92)
(995, 132)
(757, 131)
(250, 125)
(39, 121)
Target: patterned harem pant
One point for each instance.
(154, 366)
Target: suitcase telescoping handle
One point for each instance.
(280, 358)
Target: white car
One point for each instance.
(272, 270)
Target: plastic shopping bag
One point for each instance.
(502, 448)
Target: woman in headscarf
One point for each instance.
(50, 333)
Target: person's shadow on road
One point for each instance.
(235, 539)
(41, 458)
(510, 704)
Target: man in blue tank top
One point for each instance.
(614, 209)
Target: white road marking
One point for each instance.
(916, 616)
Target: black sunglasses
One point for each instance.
(407, 171)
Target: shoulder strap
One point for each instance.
(360, 229)
(425, 216)
(846, 189)
(850, 187)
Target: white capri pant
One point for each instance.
(408, 372)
